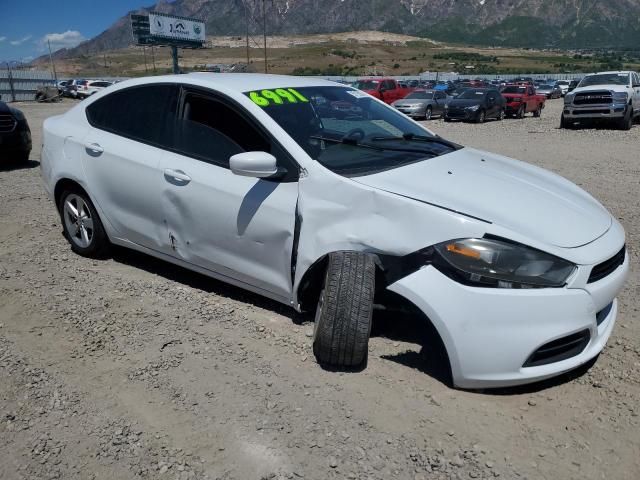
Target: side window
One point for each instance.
(531, 91)
(211, 131)
(389, 85)
(140, 113)
(440, 96)
(636, 79)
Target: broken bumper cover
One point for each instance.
(492, 335)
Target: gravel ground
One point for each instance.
(132, 368)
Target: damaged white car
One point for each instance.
(323, 198)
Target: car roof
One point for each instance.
(243, 82)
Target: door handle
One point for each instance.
(94, 149)
(177, 175)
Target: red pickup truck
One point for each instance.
(522, 99)
(386, 89)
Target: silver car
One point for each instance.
(422, 104)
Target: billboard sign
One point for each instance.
(176, 28)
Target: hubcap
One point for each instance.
(78, 221)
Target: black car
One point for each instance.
(476, 104)
(15, 135)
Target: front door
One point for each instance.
(242, 228)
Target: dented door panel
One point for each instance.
(239, 227)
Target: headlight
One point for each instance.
(500, 264)
(620, 97)
(568, 98)
(473, 108)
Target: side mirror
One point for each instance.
(254, 164)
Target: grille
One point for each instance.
(593, 98)
(607, 267)
(558, 350)
(7, 123)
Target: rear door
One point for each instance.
(121, 157)
(239, 227)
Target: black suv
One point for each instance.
(476, 104)
(15, 135)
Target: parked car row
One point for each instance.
(81, 88)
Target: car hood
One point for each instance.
(613, 88)
(503, 191)
(464, 102)
(409, 103)
(4, 108)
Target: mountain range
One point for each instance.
(518, 23)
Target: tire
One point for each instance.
(345, 307)
(521, 112)
(447, 119)
(563, 122)
(428, 113)
(85, 234)
(538, 111)
(627, 122)
(481, 116)
(501, 115)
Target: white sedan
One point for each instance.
(272, 184)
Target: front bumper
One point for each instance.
(461, 114)
(608, 111)
(490, 334)
(512, 108)
(412, 111)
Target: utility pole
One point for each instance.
(53, 65)
(174, 54)
(153, 59)
(144, 54)
(246, 18)
(264, 34)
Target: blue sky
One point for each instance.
(25, 25)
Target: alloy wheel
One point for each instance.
(78, 220)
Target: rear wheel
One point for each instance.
(428, 113)
(343, 315)
(82, 226)
(501, 115)
(538, 111)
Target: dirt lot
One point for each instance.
(130, 367)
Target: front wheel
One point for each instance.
(82, 226)
(501, 115)
(343, 315)
(521, 112)
(627, 122)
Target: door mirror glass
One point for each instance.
(254, 164)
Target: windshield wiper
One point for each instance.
(414, 137)
(353, 142)
(347, 141)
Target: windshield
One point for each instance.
(348, 131)
(421, 95)
(605, 79)
(514, 89)
(367, 84)
(545, 87)
(471, 93)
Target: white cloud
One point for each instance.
(21, 41)
(68, 39)
(2, 39)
